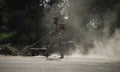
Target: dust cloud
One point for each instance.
(93, 26)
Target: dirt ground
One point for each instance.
(41, 64)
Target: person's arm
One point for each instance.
(62, 27)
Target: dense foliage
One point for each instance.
(20, 22)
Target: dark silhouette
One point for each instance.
(57, 38)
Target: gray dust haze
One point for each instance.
(92, 25)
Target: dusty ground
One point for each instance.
(41, 64)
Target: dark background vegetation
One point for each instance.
(21, 22)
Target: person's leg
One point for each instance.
(61, 49)
(61, 53)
